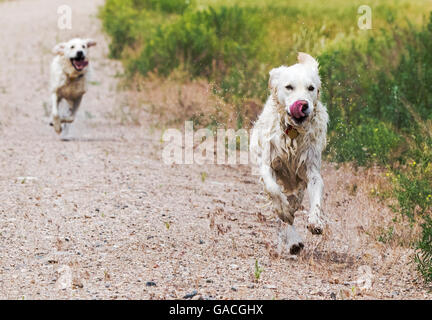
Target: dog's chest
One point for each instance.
(73, 88)
(285, 161)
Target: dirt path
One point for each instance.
(101, 216)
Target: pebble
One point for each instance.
(151, 284)
(191, 295)
(269, 286)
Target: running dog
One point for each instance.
(286, 145)
(69, 77)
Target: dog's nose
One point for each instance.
(80, 54)
(305, 108)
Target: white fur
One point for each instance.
(289, 167)
(66, 81)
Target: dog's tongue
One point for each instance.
(296, 109)
(81, 64)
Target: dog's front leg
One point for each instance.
(287, 234)
(280, 201)
(315, 189)
(55, 118)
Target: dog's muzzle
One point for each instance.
(79, 62)
(299, 111)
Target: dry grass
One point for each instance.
(172, 101)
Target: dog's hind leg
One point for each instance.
(55, 118)
(289, 237)
(73, 108)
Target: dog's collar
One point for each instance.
(76, 78)
(291, 132)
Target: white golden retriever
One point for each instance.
(69, 73)
(286, 144)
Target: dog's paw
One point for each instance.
(315, 226)
(64, 136)
(315, 223)
(296, 248)
(315, 229)
(290, 239)
(55, 122)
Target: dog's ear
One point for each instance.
(274, 77)
(90, 43)
(59, 49)
(306, 59)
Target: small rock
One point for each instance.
(333, 296)
(201, 241)
(234, 289)
(269, 286)
(209, 281)
(77, 284)
(234, 266)
(150, 284)
(191, 295)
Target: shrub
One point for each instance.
(206, 43)
(169, 6)
(119, 18)
(369, 142)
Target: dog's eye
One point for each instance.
(72, 47)
(83, 46)
(311, 88)
(289, 87)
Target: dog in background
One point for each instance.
(69, 76)
(286, 144)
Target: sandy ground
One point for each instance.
(102, 217)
